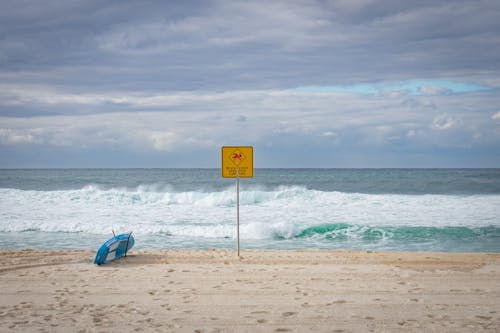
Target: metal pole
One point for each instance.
(238, 208)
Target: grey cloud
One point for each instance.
(170, 77)
(265, 44)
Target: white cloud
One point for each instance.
(496, 116)
(444, 122)
(418, 134)
(162, 141)
(9, 136)
(329, 134)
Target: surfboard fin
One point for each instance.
(126, 247)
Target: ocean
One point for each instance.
(450, 210)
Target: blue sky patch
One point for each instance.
(412, 87)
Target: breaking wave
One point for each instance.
(287, 214)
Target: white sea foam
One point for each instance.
(283, 212)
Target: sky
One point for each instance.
(340, 83)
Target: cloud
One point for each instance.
(444, 122)
(329, 134)
(9, 136)
(162, 141)
(174, 122)
(496, 116)
(227, 24)
(412, 133)
(166, 77)
(279, 44)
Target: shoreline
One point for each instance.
(263, 291)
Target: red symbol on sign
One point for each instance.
(237, 157)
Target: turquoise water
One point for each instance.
(366, 209)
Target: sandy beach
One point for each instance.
(263, 291)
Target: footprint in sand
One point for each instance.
(484, 317)
(259, 312)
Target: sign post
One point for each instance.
(237, 162)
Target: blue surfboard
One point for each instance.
(114, 248)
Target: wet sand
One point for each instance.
(263, 291)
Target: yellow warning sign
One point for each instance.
(237, 161)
